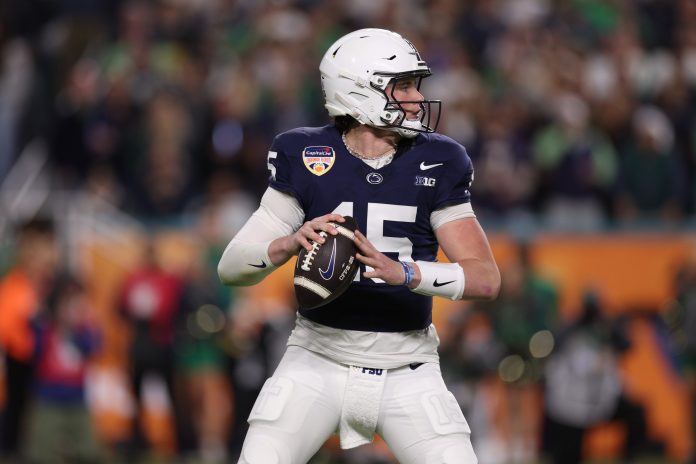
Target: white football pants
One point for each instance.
(299, 408)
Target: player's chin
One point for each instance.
(414, 113)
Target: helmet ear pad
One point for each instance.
(361, 106)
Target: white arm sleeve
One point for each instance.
(450, 213)
(245, 261)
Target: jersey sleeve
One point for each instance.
(281, 175)
(453, 188)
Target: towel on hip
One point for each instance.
(361, 403)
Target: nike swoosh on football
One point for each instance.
(440, 284)
(425, 167)
(260, 266)
(328, 273)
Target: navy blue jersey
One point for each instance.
(392, 206)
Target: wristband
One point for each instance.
(409, 272)
(441, 279)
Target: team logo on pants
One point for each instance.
(318, 159)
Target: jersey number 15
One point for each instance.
(377, 214)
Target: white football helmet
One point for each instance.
(355, 72)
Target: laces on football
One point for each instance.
(309, 257)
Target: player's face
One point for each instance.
(405, 91)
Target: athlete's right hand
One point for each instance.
(310, 231)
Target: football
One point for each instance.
(325, 272)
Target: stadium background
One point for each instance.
(135, 122)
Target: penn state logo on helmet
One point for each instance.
(318, 159)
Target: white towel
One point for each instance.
(361, 403)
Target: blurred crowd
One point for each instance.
(578, 115)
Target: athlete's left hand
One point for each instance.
(383, 267)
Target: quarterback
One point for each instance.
(367, 363)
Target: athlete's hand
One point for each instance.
(282, 249)
(310, 231)
(383, 266)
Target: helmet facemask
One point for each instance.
(394, 114)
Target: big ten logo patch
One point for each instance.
(425, 181)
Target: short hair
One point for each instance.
(345, 122)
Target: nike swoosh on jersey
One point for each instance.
(260, 266)
(440, 284)
(328, 273)
(425, 167)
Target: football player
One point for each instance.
(367, 362)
